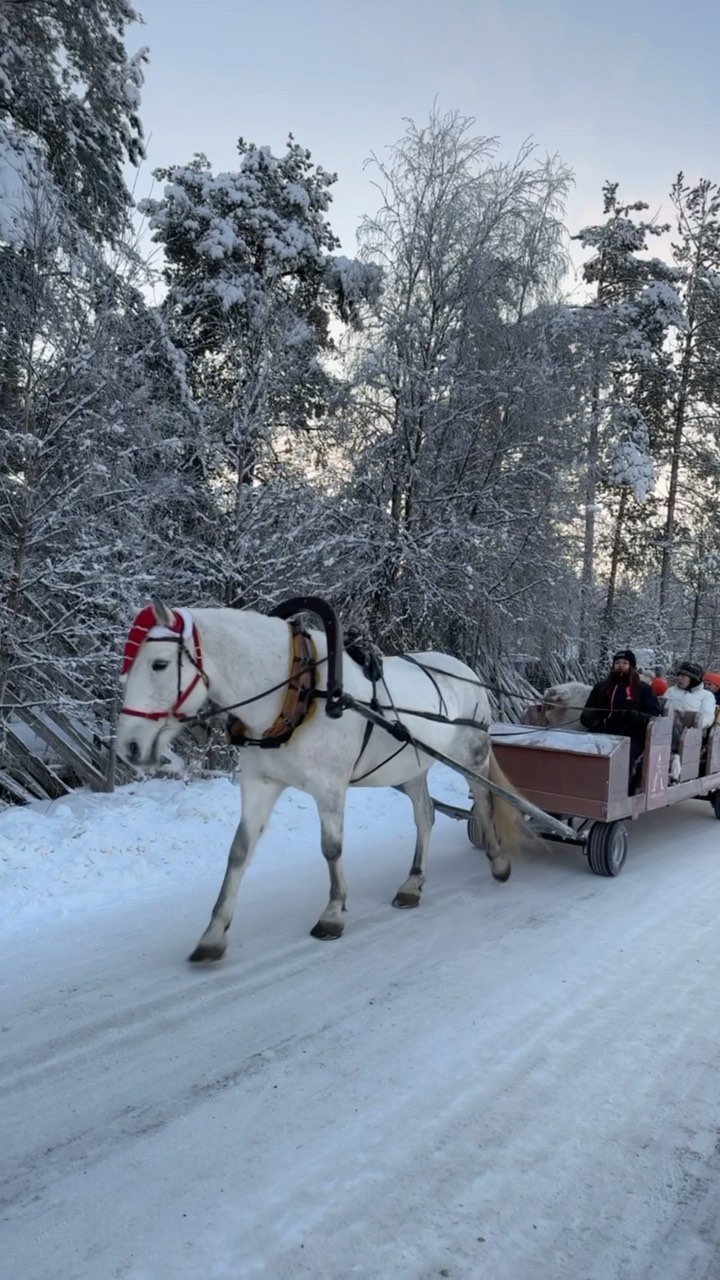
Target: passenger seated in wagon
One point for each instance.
(688, 694)
(622, 704)
(686, 699)
(711, 682)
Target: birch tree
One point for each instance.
(457, 398)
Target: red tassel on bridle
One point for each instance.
(146, 627)
(142, 625)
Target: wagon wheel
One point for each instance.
(607, 847)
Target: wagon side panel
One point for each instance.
(570, 782)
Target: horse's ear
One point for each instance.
(163, 614)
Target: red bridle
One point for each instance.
(146, 629)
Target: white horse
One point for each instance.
(175, 661)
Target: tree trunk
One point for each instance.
(668, 550)
(695, 617)
(588, 566)
(609, 610)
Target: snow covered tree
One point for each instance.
(95, 429)
(643, 383)
(456, 398)
(253, 285)
(69, 100)
(626, 327)
(696, 408)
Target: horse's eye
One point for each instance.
(159, 664)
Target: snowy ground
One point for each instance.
(516, 1082)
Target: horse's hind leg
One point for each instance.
(258, 801)
(486, 810)
(483, 815)
(408, 895)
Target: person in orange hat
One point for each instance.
(711, 681)
(659, 686)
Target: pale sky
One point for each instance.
(623, 89)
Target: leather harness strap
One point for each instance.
(298, 704)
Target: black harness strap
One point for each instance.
(382, 763)
(373, 674)
(407, 657)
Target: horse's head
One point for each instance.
(165, 684)
(564, 703)
(535, 715)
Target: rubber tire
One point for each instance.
(607, 847)
(715, 802)
(475, 833)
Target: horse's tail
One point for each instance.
(510, 828)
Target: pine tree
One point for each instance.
(253, 285)
(696, 253)
(626, 325)
(69, 102)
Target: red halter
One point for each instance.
(181, 631)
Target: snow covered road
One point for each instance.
(517, 1082)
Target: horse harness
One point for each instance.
(300, 686)
(298, 704)
(301, 694)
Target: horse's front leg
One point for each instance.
(258, 801)
(408, 895)
(331, 923)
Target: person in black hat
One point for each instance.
(622, 704)
(688, 694)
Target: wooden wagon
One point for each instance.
(580, 781)
(570, 786)
(583, 779)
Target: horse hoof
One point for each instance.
(326, 930)
(501, 873)
(207, 951)
(402, 899)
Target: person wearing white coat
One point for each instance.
(687, 694)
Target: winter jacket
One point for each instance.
(620, 709)
(697, 699)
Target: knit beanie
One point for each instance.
(627, 654)
(692, 670)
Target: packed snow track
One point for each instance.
(516, 1082)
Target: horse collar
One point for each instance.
(298, 703)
